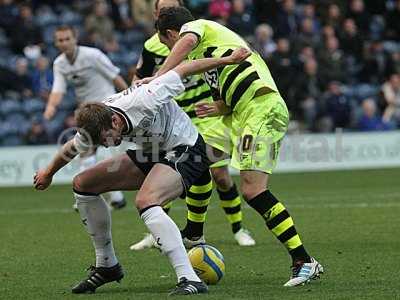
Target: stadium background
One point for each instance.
(337, 63)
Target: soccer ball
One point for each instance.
(208, 263)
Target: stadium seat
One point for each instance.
(9, 106)
(33, 105)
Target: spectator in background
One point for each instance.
(18, 79)
(264, 44)
(8, 15)
(393, 23)
(391, 98)
(332, 64)
(361, 17)
(337, 107)
(307, 92)
(377, 63)
(42, 78)
(287, 21)
(219, 10)
(37, 134)
(99, 24)
(24, 33)
(241, 19)
(328, 31)
(351, 41)
(309, 12)
(281, 64)
(266, 11)
(370, 120)
(121, 13)
(308, 36)
(143, 14)
(334, 17)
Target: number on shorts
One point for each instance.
(247, 141)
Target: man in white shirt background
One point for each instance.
(93, 77)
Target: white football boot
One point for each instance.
(147, 242)
(303, 273)
(189, 244)
(243, 238)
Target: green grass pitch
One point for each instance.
(348, 220)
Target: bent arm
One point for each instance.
(203, 65)
(179, 52)
(62, 158)
(120, 83)
(52, 103)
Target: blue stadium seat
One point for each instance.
(33, 106)
(8, 107)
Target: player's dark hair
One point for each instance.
(92, 119)
(180, 3)
(65, 28)
(172, 18)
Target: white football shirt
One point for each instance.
(154, 121)
(91, 74)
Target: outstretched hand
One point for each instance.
(238, 55)
(145, 80)
(41, 180)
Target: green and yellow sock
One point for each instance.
(197, 200)
(281, 224)
(230, 202)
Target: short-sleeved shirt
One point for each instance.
(153, 119)
(236, 83)
(91, 74)
(153, 56)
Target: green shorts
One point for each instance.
(216, 128)
(256, 133)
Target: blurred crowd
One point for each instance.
(337, 63)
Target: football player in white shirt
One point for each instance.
(171, 157)
(93, 77)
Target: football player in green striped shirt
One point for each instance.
(257, 115)
(153, 56)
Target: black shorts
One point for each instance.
(190, 162)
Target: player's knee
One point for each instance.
(145, 199)
(250, 190)
(80, 183)
(222, 178)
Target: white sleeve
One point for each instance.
(59, 82)
(80, 143)
(105, 66)
(162, 89)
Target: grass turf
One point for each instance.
(347, 220)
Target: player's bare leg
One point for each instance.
(161, 184)
(253, 185)
(118, 173)
(115, 199)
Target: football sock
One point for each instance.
(280, 223)
(96, 218)
(168, 237)
(230, 202)
(197, 200)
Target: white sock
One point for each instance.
(116, 196)
(96, 217)
(87, 161)
(167, 235)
